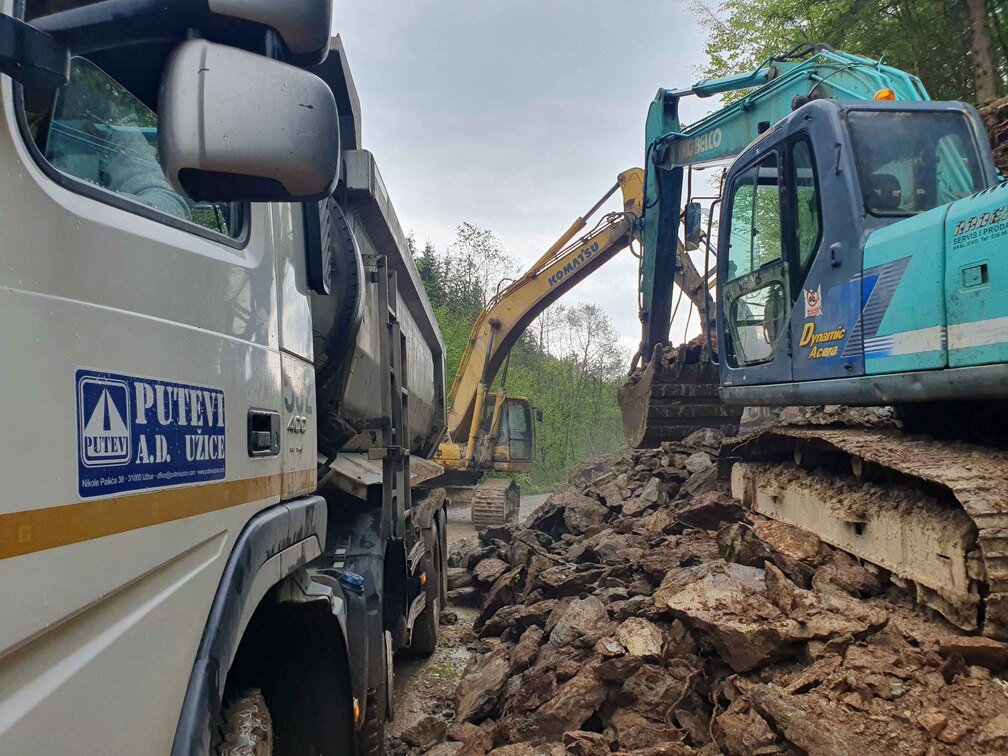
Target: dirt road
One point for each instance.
(460, 526)
(425, 687)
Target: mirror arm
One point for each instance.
(31, 56)
(104, 26)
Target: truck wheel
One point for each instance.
(245, 727)
(427, 625)
(371, 736)
(443, 563)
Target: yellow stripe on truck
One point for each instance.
(51, 527)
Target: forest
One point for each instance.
(958, 48)
(568, 363)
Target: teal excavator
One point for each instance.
(859, 257)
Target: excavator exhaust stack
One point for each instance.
(675, 395)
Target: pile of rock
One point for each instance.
(642, 610)
(688, 353)
(995, 117)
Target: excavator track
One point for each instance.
(495, 502)
(934, 514)
(675, 395)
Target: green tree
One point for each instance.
(568, 363)
(958, 49)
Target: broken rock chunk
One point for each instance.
(448, 749)
(752, 621)
(791, 541)
(581, 513)
(478, 691)
(740, 730)
(843, 573)
(709, 511)
(527, 648)
(426, 732)
(985, 652)
(573, 704)
(583, 623)
(582, 743)
(641, 638)
(698, 462)
(475, 739)
(458, 577)
(488, 570)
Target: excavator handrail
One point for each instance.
(505, 317)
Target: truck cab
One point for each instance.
(215, 372)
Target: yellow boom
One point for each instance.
(509, 313)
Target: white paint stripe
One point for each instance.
(907, 342)
(978, 333)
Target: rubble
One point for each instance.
(641, 610)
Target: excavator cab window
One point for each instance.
(756, 289)
(518, 423)
(914, 160)
(514, 429)
(803, 188)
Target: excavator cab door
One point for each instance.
(516, 429)
(515, 438)
(756, 296)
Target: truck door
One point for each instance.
(298, 429)
(140, 329)
(755, 298)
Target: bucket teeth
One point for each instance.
(671, 400)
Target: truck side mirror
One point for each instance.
(304, 25)
(237, 126)
(538, 415)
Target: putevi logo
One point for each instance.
(105, 416)
(138, 432)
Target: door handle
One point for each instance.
(263, 433)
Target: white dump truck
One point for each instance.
(221, 383)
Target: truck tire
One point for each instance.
(427, 625)
(245, 727)
(371, 735)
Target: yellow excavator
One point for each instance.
(489, 431)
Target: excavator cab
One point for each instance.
(834, 259)
(514, 441)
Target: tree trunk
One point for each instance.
(980, 52)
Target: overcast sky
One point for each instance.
(516, 115)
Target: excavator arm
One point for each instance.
(495, 331)
(677, 391)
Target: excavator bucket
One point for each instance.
(674, 395)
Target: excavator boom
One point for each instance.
(494, 432)
(509, 313)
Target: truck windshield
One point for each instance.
(913, 160)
